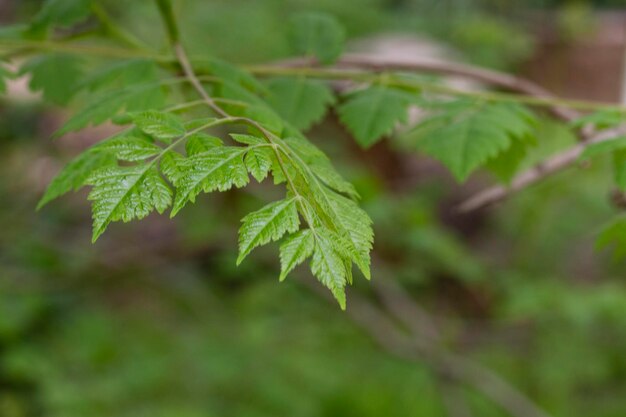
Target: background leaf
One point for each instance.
(302, 102)
(465, 135)
(373, 112)
(56, 75)
(317, 34)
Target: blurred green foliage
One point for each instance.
(155, 319)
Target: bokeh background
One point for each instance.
(155, 319)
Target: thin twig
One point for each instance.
(501, 80)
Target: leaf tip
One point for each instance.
(42, 202)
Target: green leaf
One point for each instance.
(356, 227)
(129, 148)
(160, 125)
(317, 34)
(601, 119)
(103, 107)
(255, 108)
(64, 13)
(506, 164)
(259, 162)
(266, 225)
(466, 135)
(126, 193)
(170, 166)
(295, 250)
(230, 73)
(614, 234)
(604, 147)
(328, 265)
(247, 139)
(121, 74)
(200, 142)
(372, 113)
(319, 164)
(301, 101)
(220, 168)
(56, 75)
(74, 175)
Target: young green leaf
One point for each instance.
(603, 147)
(601, 119)
(62, 13)
(170, 164)
(317, 34)
(230, 73)
(301, 101)
(356, 226)
(268, 224)
(295, 250)
(318, 163)
(466, 135)
(373, 112)
(121, 74)
(56, 75)
(255, 108)
(200, 142)
(101, 108)
(74, 175)
(247, 139)
(219, 168)
(259, 162)
(328, 265)
(162, 126)
(126, 193)
(506, 164)
(128, 148)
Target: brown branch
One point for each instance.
(417, 347)
(455, 366)
(490, 77)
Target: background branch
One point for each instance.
(417, 347)
(490, 77)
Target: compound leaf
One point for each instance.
(466, 135)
